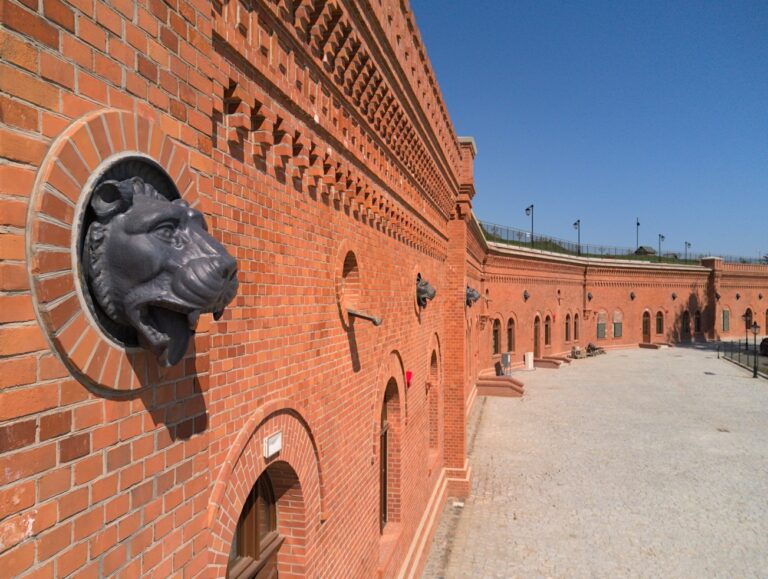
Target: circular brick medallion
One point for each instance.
(77, 159)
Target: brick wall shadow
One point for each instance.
(173, 396)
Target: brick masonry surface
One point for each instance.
(314, 138)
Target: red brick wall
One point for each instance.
(302, 135)
(559, 286)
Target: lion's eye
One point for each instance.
(165, 230)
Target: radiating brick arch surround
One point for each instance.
(73, 163)
(245, 463)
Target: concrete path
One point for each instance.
(639, 463)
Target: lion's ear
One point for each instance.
(111, 198)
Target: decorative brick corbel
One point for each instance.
(315, 170)
(283, 143)
(300, 160)
(237, 114)
(263, 123)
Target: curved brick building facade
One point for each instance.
(313, 137)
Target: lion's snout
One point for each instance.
(207, 283)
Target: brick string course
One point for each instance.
(305, 130)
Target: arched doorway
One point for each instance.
(685, 330)
(256, 541)
(647, 327)
(432, 394)
(537, 337)
(389, 457)
(748, 318)
(268, 538)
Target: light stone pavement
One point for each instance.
(639, 463)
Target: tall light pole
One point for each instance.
(577, 227)
(687, 245)
(661, 238)
(637, 233)
(529, 211)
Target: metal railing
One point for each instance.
(748, 356)
(513, 236)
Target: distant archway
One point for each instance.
(389, 457)
(685, 327)
(511, 335)
(496, 337)
(576, 327)
(748, 318)
(537, 337)
(647, 327)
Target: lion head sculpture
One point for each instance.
(424, 291)
(151, 264)
(472, 296)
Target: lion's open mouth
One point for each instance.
(167, 329)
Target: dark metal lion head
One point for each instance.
(424, 291)
(472, 296)
(151, 265)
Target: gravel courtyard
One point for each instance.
(639, 463)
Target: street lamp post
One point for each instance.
(661, 238)
(637, 233)
(577, 227)
(687, 245)
(755, 330)
(529, 211)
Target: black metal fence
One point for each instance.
(747, 355)
(514, 236)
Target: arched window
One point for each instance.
(618, 321)
(576, 327)
(511, 335)
(568, 327)
(256, 541)
(697, 322)
(547, 331)
(748, 318)
(659, 323)
(726, 320)
(602, 319)
(496, 336)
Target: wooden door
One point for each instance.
(647, 328)
(536, 338)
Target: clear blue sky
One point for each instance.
(608, 111)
